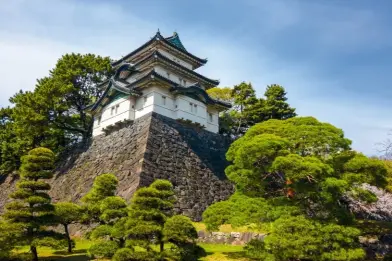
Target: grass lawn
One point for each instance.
(215, 252)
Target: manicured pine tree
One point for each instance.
(111, 231)
(103, 207)
(32, 208)
(149, 209)
(104, 186)
(68, 213)
(180, 232)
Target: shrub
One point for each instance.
(104, 249)
(123, 254)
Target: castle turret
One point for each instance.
(159, 77)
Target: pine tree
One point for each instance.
(180, 232)
(110, 212)
(32, 208)
(104, 186)
(68, 213)
(276, 106)
(149, 209)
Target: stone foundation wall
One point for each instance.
(154, 147)
(232, 238)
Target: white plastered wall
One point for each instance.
(161, 101)
(119, 110)
(176, 59)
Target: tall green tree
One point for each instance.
(297, 167)
(32, 208)
(248, 110)
(149, 209)
(113, 213)
(276, 106)
(180, 232)
(68, 213)
(70, 88)
(11, 148)
(104, 186)
(102, 206)
(53, 115)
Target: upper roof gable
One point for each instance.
(172, 41)
(175, 40)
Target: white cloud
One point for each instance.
(42, 35)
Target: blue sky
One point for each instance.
(333, 57)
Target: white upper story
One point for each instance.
(158, 77)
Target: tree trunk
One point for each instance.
(162, 246)
(68, 238)
(122, 242)
(34, 253)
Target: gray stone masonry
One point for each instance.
(154, 147)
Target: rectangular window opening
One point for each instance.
(99, 120)
(112, 110)
(210, 117)
(191, 107)
(117, 106)
(164, 100)
(195, 107)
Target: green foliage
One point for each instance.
(53, 115)
(179, 229)
(104, 186)
(222, 94)
(103, 249)
(32, 209)
(10, 234)
(123, 254)
(240, 210)
(363, 195)
(68, 213)
(150, 222)
(108, 210)
(248, 109)
(299, 238)
(292, 176)
(148, 212)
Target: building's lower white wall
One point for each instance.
(212, 120)
(122, 110)
(161, 101)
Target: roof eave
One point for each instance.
(159, 37)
